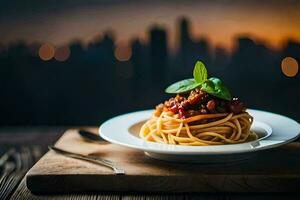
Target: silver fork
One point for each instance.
(116, 169)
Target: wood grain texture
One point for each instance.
(276, 170)
(22, 193)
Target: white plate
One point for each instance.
(273, 130)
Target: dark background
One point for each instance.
(86, 81)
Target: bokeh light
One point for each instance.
(62, 53)
(122, 52)
(289, 66)
(46, 51)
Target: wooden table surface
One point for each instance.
(21, 137)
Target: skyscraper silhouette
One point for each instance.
(184, 59)
(158, 54)
(185, 39)
(139, 68)
(200, 50)
(220, 61)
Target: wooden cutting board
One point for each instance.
(276, 170)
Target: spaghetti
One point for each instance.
(223, 128)
(202, 113)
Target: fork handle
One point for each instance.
(117, 170)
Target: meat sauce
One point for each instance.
(199, 102)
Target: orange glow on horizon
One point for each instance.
(219, 22)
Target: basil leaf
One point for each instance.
(182, 86)
(200, 72)
(215, 87)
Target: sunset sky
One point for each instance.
(219, 21)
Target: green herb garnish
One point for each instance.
(215, 87)
(200, 72)
(212, 86)
(182, 86)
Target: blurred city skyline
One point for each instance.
(76, 84)
(220, 22)
(84, 82)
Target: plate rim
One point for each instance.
(192, 151)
